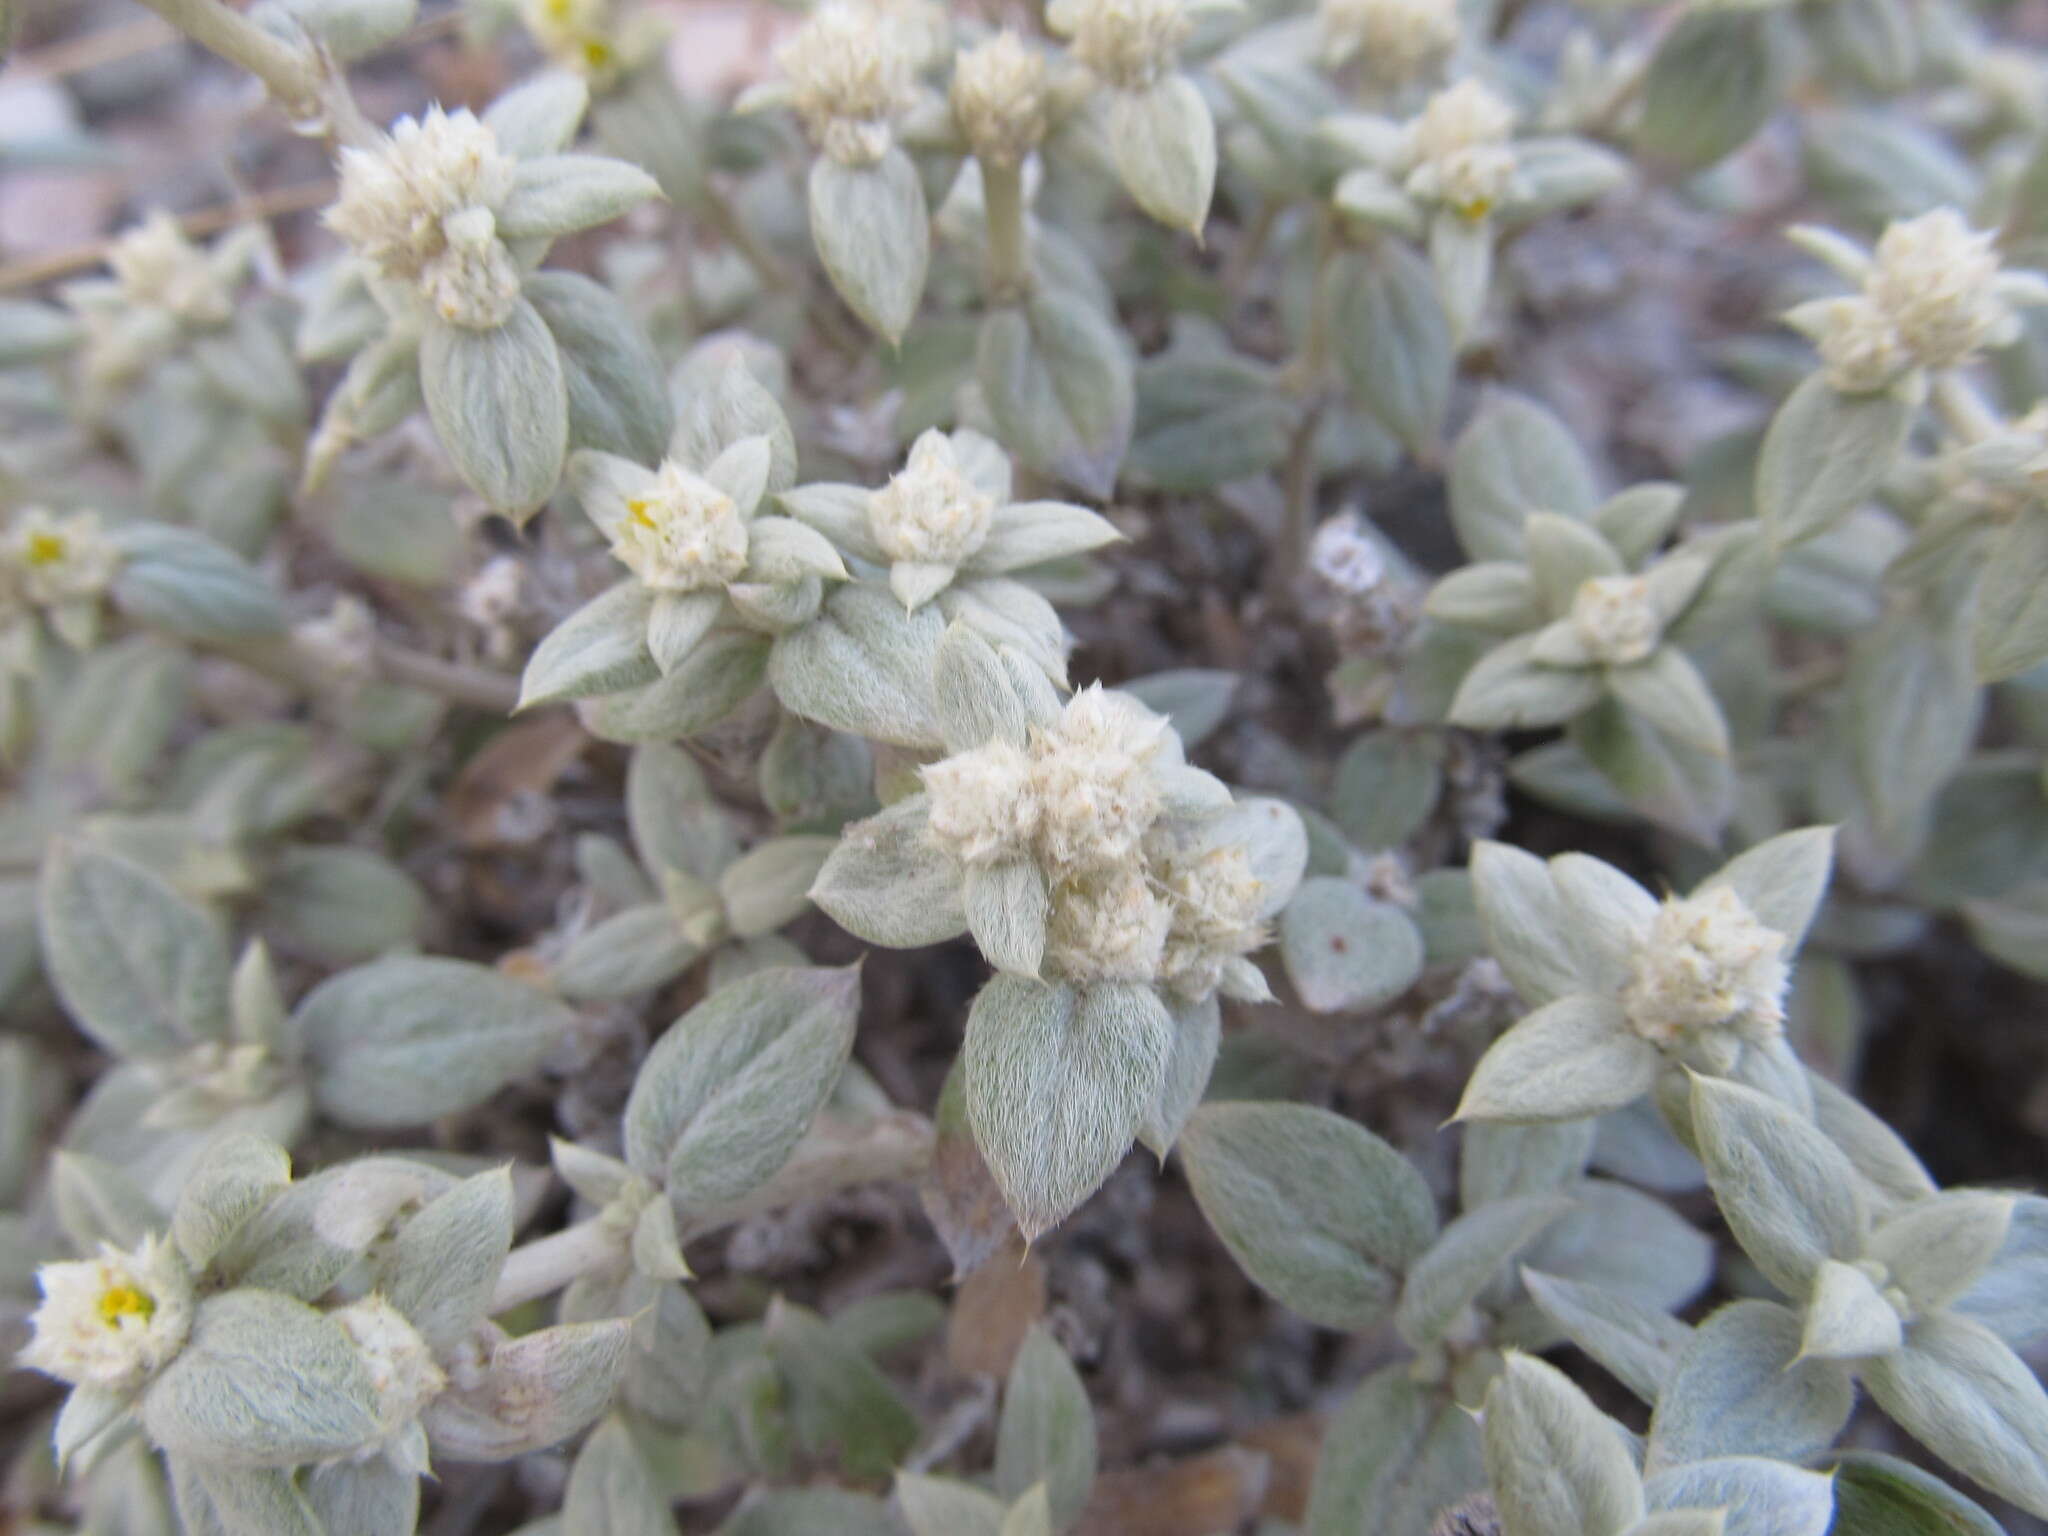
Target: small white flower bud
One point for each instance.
(851, 74)
(998, 98)
(984, 808)
(52, 559)
(1094, 781)
(155, 264)
(1936, 278)
(930, 513)
(1345, 558)
(1106, 925)
(1214, 897)
(1859, 347)
(683, 534)
(1615, 619)
(1396, 41)
(1130, 44)
(111, 1321)
(1707, 976)
(1460, 149)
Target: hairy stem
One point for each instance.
(1965, 412)
(303, 84)
(545, 1265)
(1009, 272)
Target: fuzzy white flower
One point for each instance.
(58, 559)
(155, 264)
(1937, 280)
(681, 533)
(1859, 347)
(999, 98)
(1615, 619)
(1106, 925)
(1707, 977)
(1460, 150)
(419, 210)
(930, 512)
(1395, 40)
(983, 806)
(589, 37)
(1130, 44)
(111, 1321)
(1345, 557)
(851, 73)
(1216, 900)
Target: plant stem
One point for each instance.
(1009, 274)
(717, 211)
(545, 1265)
(479, 688)
(1965, 412)
(303, 84)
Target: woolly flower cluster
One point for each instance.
(1460, 151)
(1615, 619)
(1932, 296)
(419, 210)
(998, 98)
(930, 512)
(682, 533)
(1707, 977)
(1130, 44)
(48, 559)
(851, 74)
(1394, 40)
(111, 1321)
(156, 265)
(1134, 895)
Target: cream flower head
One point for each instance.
(1936, 279)
(155, 264)
(1217, 901)
(999, 98)
(56, 559)
(1707, 976)
(1130, 44)
(930, 512)
(852, 73)
(681, 533)
(1396, 41)
(1616, 619)
(419, 210)
(1460, 149)
(111, 1321)
(1106, 925)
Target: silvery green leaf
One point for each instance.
(1757, 1496)
(811, 1512)
(1639, 1346)
(233, 1179)
(1165, 145)
(781, 549)
(1007, 907)
(667, 1369)
(1019, 622)
(539, 116)
(245, 1501)
(1606, 915)
(873, 234)
(1393, 339)
(342, 904)
(1627, 1241)
(1524, 919)
(250, 366)
(1275, 845)
(1740, 1388)
(725, 1094)
(733, 405)
(1713, 82)
(1206, 416)
(939, 1506)
(1873, 43)
(31, 332)
(1682, 787)
(404, 1040)
(1959, 1390)
(1507, 689)
(1913, 704)
(1936, 1248)
(718, 675)
(534, 1390)
(675, 822)
(1557, 1466)
(888, 883)
(1884, 1496)
(1395, 1454)
(1500, 1162)
(2011, 1297)
(118, 713)
(618, 397)
(1195, 699)
(140, 969)
(1572, 1057)
(1467, 1256)
(1789, 1195)
(1563, 553)
(1320, 1212)
(840, 513)
(1059, 1080)
(814, 779)
(499, 401)
(1057, 379)
(186, 584)
(863, 666)
(594, 1176)
(88, 1413)
(555, 195)
(1782, 879)
(1890, 1170)
(1197, 1035)
(441, 1266)
(1345, 952)
(2011, 633)
(612, 1491)
(1554, 173)
(1847, 1317)
(976, 697)
(1461, 252)
(1046, 1434)
(1514, 459)
(362, 1498)
(1668, 691)
(636, 950)
(1031, 1515)
(839, 1403)
(1498, 595)
(1823, 456)
(263, 1381)
(98, 1203)
(1876, 166)
(1638, 520)
(769, 885)
(1388, 782)
(352, 29)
